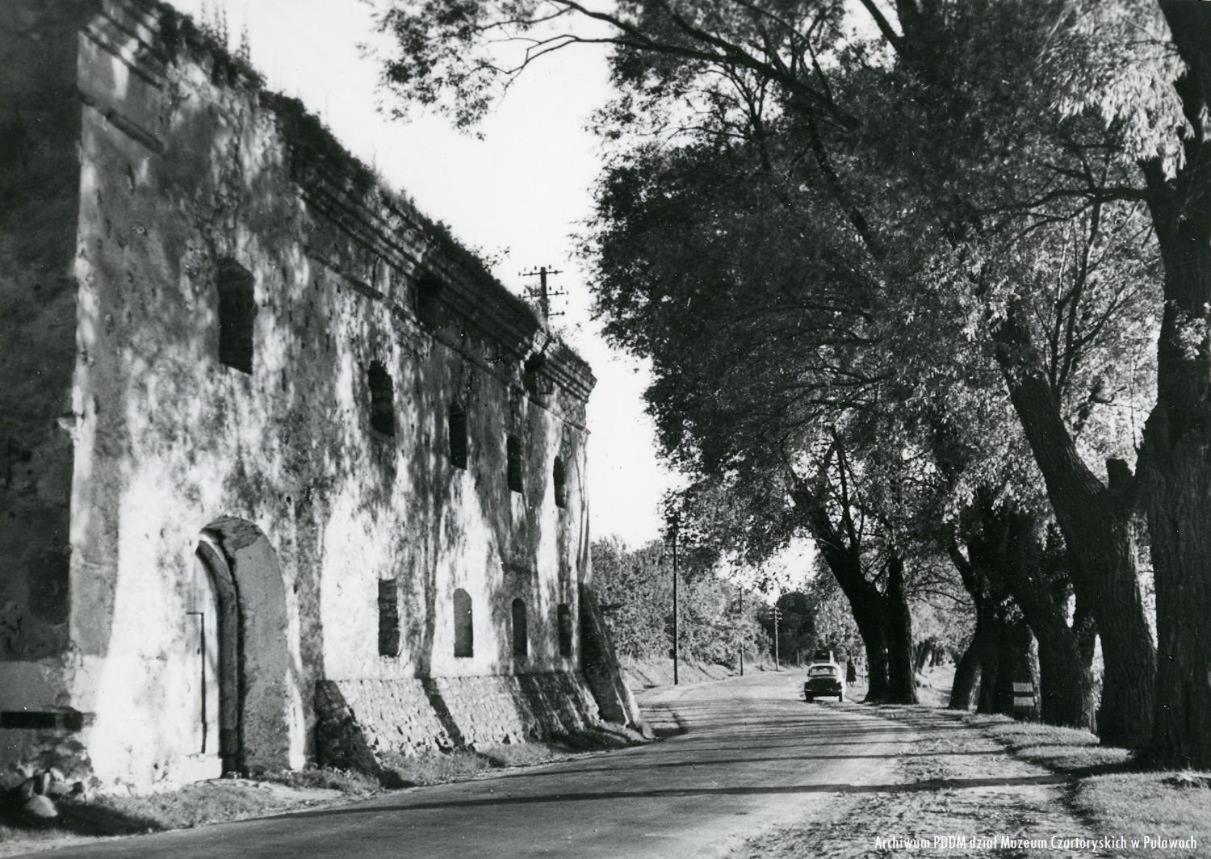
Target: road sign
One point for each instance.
(1023, 696)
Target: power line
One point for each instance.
(542, 293)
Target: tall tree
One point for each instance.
(991, 163)
(834, 515)
(635, 588)
(1174, 467)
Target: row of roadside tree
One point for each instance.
(928, 281)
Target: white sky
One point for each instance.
(521, 190)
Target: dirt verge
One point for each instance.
(974, 785)
(958, 791)
(83, 819)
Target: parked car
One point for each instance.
(824, 680)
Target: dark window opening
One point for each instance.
(513, 462)
(565, 630)
(428, 300)
(456, 425)
(521, 638)
(388, 617)
(464, 637)
(559, 477)
(382, 400)
(538, 385)
(41, 720)
(237, 313)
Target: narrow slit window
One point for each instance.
(464, 639)
(382, 400)
(521, 636)
(565, 630)
(513, 462)
(237, 315)
(457, 428)
(388, 617)
(559, 477)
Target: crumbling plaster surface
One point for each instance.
(39, 192)
(184, 163)
(39, 186)
(408, 715)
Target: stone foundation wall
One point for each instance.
(406, 716)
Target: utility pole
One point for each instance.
(777, 617)
(740, 643)
(542, 293)
(675, 521)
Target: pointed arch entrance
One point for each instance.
(251, 709)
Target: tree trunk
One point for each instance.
(967, 673)
(921, 656)
(1085, 628)
(869, 610)
(871, 623)
(929, 654)
(1174, 464)
(984, 649)
(901, 676)
(1066, 686)
(842, 553)
(1017, 666)
(1180, 524)
(1006, 548)
(990, 639)
(878, 685)
(1097, 530)
(1128, 654)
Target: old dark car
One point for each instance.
(824, 680)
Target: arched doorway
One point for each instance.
(218, 618)
(250, 711)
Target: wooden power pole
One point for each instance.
(675, 522)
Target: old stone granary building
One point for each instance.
(287, 476)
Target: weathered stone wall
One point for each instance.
(189, 171)
(39, 194)
(412, 714)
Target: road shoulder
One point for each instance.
(956, 791)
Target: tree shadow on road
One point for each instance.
(624, 769)
(680, 793)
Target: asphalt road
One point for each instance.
(751, 755)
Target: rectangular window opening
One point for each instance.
(457, 429)
(513, 457)
(565, 630)
(388, 617)
(237, 316)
